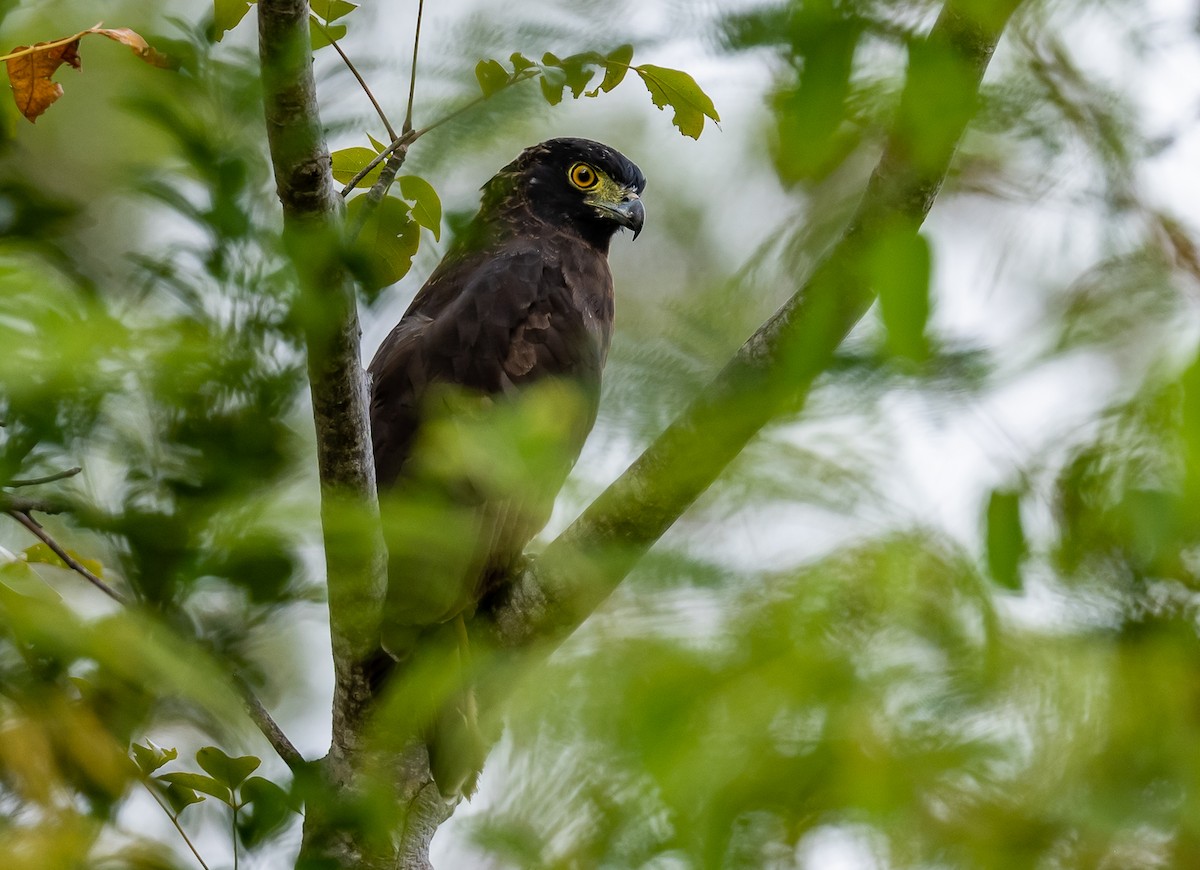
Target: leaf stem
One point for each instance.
(412, 77)
(72, 563)
(175, 821)
(43, 46)
(411, 136)
(49, 478)
(354, 71)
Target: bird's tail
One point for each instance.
(457, 748)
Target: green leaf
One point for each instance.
(492, 76)
(227, 14)
(323, 37)
(331, 10)
(376, 144)
(616, 65)
(387, 242)
(677, 89)
(180, 797)
(1005, 538)
(426, 206)
(520, 62)
(349, 162)
(268, 809)
(150, 757)
(41, 554)
(900, 265)
(199, 782)
(23, 580)
(225, 769)
(552, 82)
(575, 68)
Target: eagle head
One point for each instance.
(573, 183)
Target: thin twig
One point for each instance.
(269, 727)
(411, 136)
(403, 142)
(71, 562)
(254, 707)
(49, 478)
(175, 821)
(354, 71)
(412, 77)
(21, 504)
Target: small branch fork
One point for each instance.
(19, 510)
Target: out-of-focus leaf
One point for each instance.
(426, 205)
(492, 76)
(224, 769)
(198, 782)
(150, 757)
(266, 809)
(677, 89)
(1005, 539)
(178, 796)
(40, 553)
(227, 14)
(23, 580)
(900, 271)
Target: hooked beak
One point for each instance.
(629, 213)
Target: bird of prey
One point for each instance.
(508, 337)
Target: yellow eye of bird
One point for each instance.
(583, 176)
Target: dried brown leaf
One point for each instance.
(31, 68)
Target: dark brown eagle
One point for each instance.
(505, 345)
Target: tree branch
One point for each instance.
(70, 561)
(355, 558)
(49, 478)
(254, 707)
(774, 370)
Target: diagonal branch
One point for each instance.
(49, 478)
(774, 370)
(254, 707)
(70, 561)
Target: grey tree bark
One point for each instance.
(776, 366)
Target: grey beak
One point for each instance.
(631, 213)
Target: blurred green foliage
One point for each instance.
(1025, 695)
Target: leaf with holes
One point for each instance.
(616, 65)
(31, 68)
(677, 89)
(426, 205)
(386, 244)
